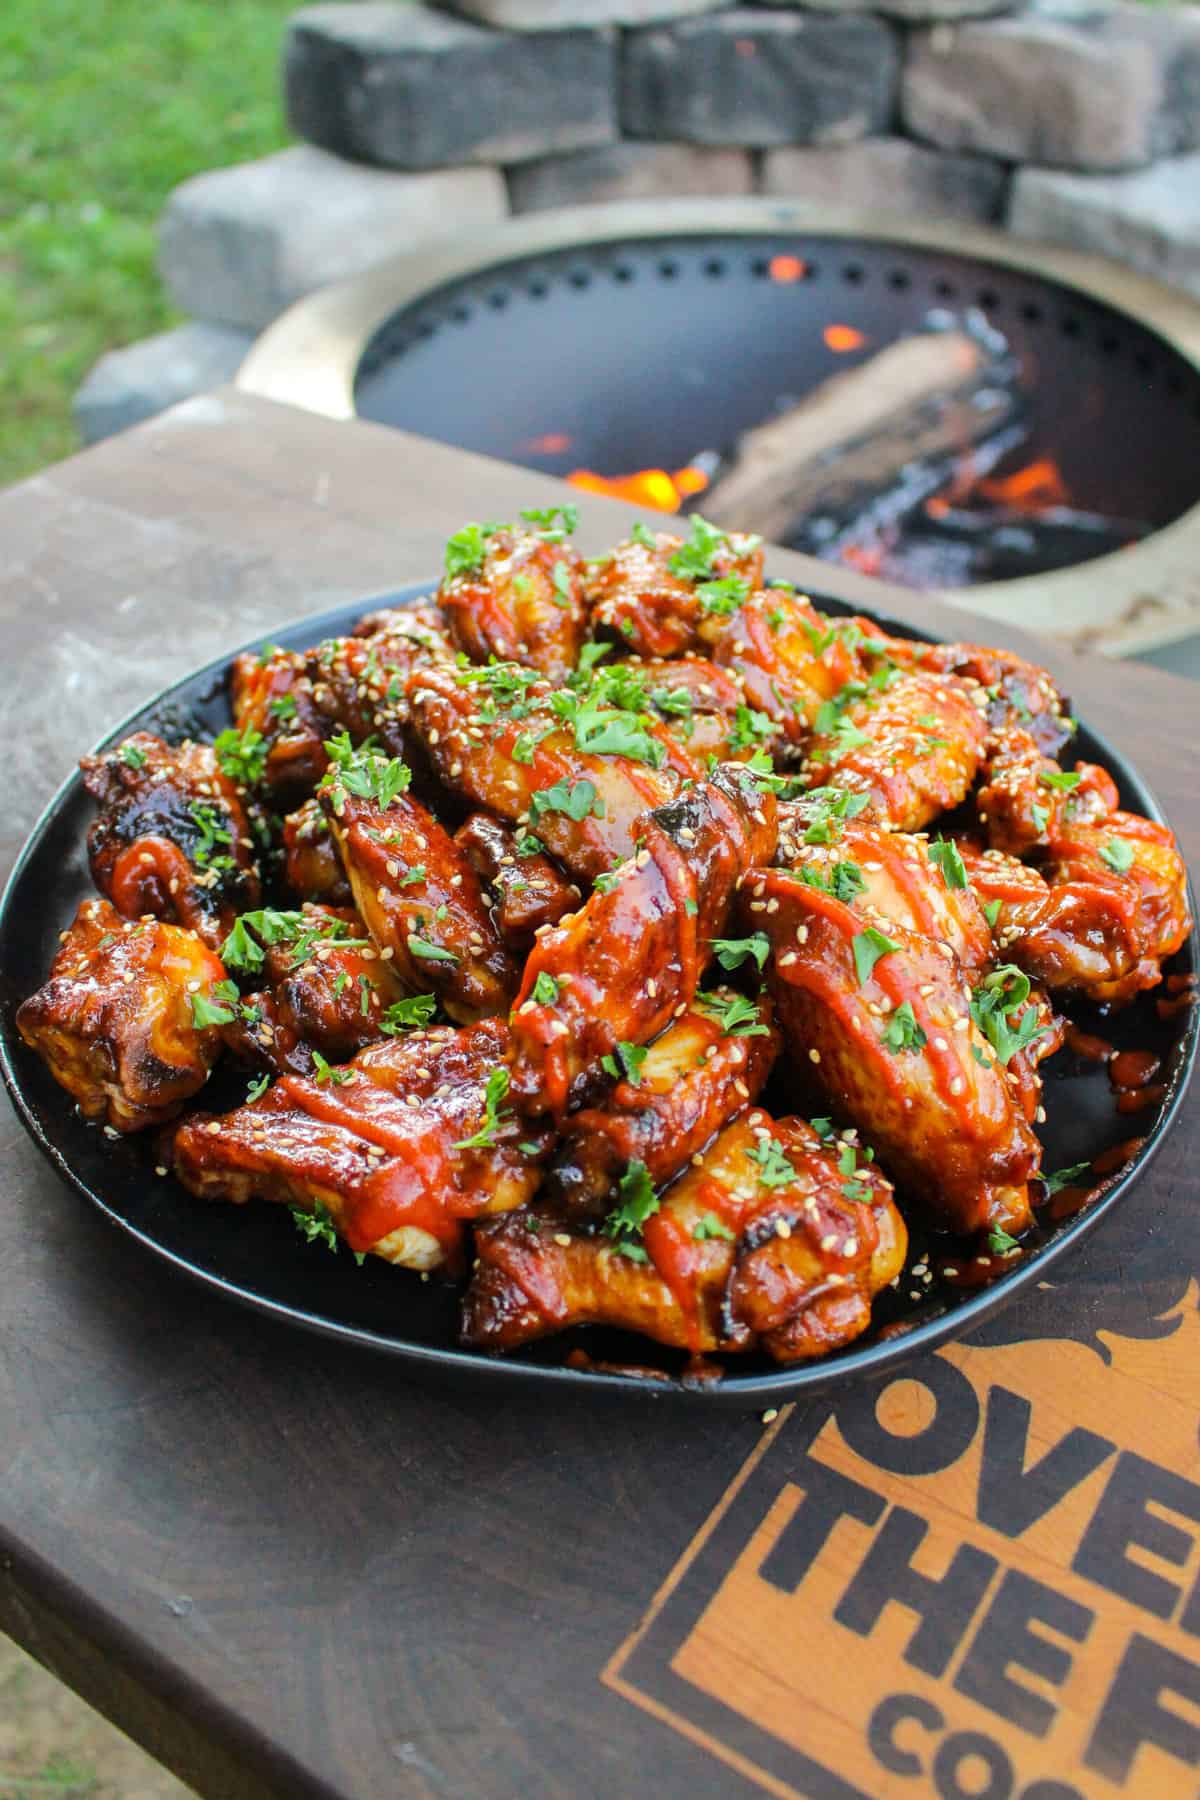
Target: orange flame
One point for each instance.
(787, 268)
(866, 558)
(1039, 484)
(646, 487)
(842, 338)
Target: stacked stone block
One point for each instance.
(1069, 120)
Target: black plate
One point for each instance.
(254, 1254)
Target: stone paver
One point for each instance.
(1107, 89)
(133, 383)
(1149, 218)
(413, 88)
(759, 78)
(892, 175)
(629, 171)
(238, 245)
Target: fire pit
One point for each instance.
(943, 407)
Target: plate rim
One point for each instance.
(455, 1362)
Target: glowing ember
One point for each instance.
(1038, 485)
(842, 338)
(646, 487)
(551, 443)
(787, 268)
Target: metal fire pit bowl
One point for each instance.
(627, 337)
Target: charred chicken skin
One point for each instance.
(649, 835)
(126, 1022)
(171, 837)
(765, 1241)
(400, 1147)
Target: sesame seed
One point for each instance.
(956, 1086)
(814, 1056)
(562, 1239)
(772, 1412)
(782, 1229)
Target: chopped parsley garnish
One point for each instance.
(316, 1226)
(1060, 778)
(589, 656)
(213, 831)
(544, 518)
(991, 912)
(528, 845)
(130, 753)
(242, 754)
(693, 561)
(737, 1016)
(426, 952)
(258, 1088)
(996, 1000)
(1041, 818)
(869, 946)
(283, 706)
(903, 1032)
(638, 1202)
(731, 953)
(823, 1128)
(417, 873)
(711, 1227)
(365, 771)
(826, 808)
(466, 550)
(721, 599)
(545, 990)
(562, 584)
(854, 1187)
(243, 949)
(604, 884)
(1062, 1178)
(606, 710)
(507, 687)
(268, 653)
(749, 729)
(640, 534)
(494, 1115)
(1000, 1243)
(213, 1008)
(845, 881)
(1118, 854)
(848, 736)
(774, 1169)
(626, 1064)
(365, 992)
(404, 1015)
(949, 860)
(326, 1072)
(577, 800)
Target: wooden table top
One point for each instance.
(290, 1571)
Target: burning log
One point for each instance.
(868, 447)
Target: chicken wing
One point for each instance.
(886, 1024)
(705, 708)
(399, 1147)
(494, 738)
(516, 594)
(1078, 936)
(911, 743)
(667, 1101)
(630, 960)
(790, 659)
(654, 592)
(327, 989)
(171, 837)
(1140, 857)
(129, 1020)
(774, 1238)
(360, 682)
(903, 880)
(279, 728)
(1018, 694)
(526, 889)
(312, 867)
(414, 889)
(1027, 802)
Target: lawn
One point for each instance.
(103, 109)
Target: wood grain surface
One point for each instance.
(289, 1572)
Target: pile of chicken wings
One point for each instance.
(510, 903)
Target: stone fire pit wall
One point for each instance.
(1076, 125)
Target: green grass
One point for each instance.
(104, 107)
